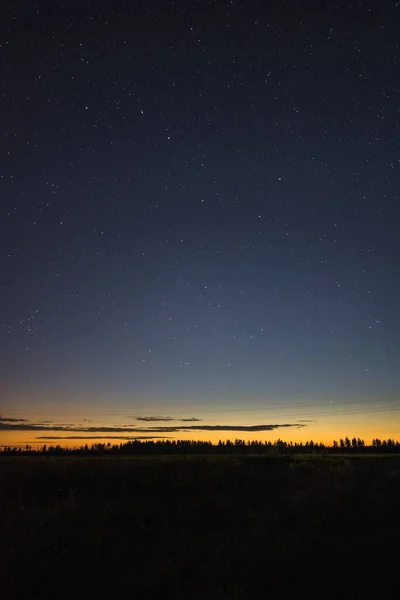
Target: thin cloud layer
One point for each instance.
(100, 437)
(247, 428)
(25, 426)
(154, 419)
(11, 420)
(151, 419)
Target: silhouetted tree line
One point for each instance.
(238, 446)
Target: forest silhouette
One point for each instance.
(238, 446)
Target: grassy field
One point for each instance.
(199, 527)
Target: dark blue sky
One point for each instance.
(199, 206)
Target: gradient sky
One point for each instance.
(199, 219)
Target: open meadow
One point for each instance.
(199, 527)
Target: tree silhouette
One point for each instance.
(239, 446)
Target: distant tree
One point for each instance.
(347, 442)
(354, 442)
(360, 443)
(335, 444)
(280, 445)
(341, 442)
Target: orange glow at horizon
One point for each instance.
(326, 429)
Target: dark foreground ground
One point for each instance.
(199, 527)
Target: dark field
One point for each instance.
(199, 527)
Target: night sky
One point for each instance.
(200, 220)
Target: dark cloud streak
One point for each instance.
(101, 437)
(161, 429)
(151, 419)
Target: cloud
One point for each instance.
(307, 421)
(6, 426)
(100, 437)
(248, 428)
(44, 425)
(32, 427)
(152, 419)
(11, 420)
